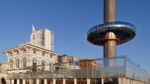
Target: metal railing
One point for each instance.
(123, 67)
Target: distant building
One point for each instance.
(67, 62)
(43, 38)
(88, 63)
(3, 68)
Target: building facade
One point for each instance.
(88, 63)
(28, 57)
(42, 38)
(68, 62)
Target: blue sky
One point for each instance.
(70, 20)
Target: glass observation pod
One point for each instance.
(124, 32)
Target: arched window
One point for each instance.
(43, 65)
(18, 63)
(34, 60)
(34, 64)
(11, 64)
(24, 63)
(24, 50)
(51, 67)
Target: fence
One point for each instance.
(122, 67)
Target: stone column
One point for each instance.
(127, 81)
(30, 81)
(135, 82)
(37, 81)
(131, 81)
(75, 81)
(24, 81)
(18, 81)
(64, 81)
(120, 80)
(54, 81)
(12, 81)
(45, 81)
(8, 82)
(88, 81)
(124, 80)
(102, 80)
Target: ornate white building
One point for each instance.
(29, 57)
(36, 55)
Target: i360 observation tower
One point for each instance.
(111, 33)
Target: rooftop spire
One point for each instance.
(33, 28)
